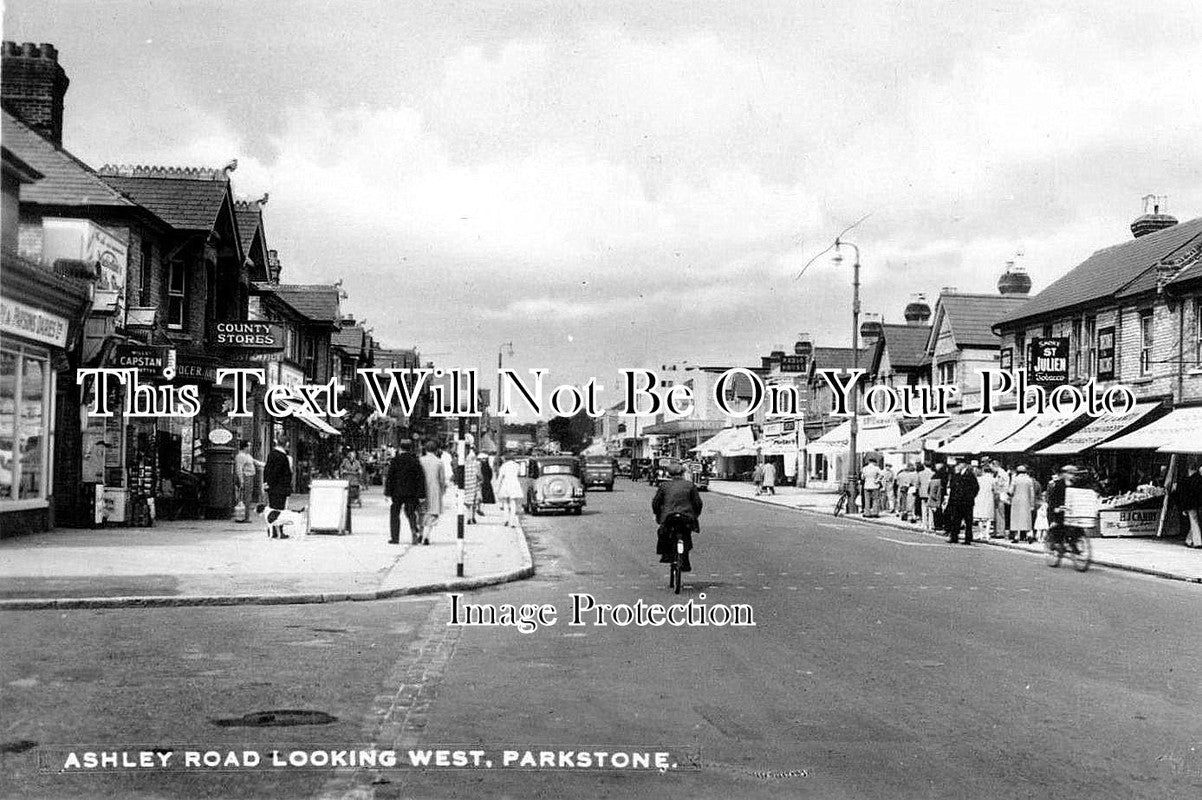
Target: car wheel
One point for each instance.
(577, 511)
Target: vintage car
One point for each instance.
(659, 470)
(639, 467)
(598, 471)
(554, 485)
(622, 466)
(697, 472)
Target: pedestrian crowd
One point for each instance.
(967, 498)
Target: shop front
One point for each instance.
(827, 457)
(39, 317)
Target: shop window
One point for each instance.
(1075, 348)
(1198, 331)
(1091, 336)
(147, 275)
(1145, 342)
(947, 372)
(24, 422)
(177, 294)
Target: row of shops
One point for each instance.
(1135, 458)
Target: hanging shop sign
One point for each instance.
(1106, 354)
(148, 360)
(1048, 364)
(248, 335)
(32, 323)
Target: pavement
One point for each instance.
(207, 562)
(1163, 558)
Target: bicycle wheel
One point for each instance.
(840, 505)
(1081, 553)
(1052, 552)
(678, 563)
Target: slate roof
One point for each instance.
(907, 344)
(1122, 269)
(972, 316)
(249, 217)
(186, 202)
(838, 358)
(350, 338)
(66, 181)
(1192, 272)
(318, 302)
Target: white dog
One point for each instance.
(277, 520)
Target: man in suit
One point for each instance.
(277, 482)
(405, 484)
(676, 496)
(961, 494)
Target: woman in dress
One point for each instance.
(982, 510)
(471, 486)
(486, 492)
(509, 490)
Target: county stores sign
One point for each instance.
(248, 336)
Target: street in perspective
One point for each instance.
(510, 400)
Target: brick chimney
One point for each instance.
(34, 86)
(273, 266)
(1153, 221)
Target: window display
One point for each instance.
(25, 393)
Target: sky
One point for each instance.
(632, 184)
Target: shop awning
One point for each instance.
(1037, 431)
(713, 445)
(317, 424)
(912, 442)
(740, 443)
(1174, 433)
(985, 435)
(873, 437)
(955, 426)
(1104, 427)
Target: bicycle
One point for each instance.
(1071, 541)
(677, 527)
(843, 502)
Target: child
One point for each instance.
(1041, 519)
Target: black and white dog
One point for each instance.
(277, 519)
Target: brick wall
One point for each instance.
(33, 86)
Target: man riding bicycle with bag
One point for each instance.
(676, 496)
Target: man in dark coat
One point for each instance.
(277, 481)
(676, 496)
(961, 494)
(405, 484)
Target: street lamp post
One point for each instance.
(853, 472)
(505, 347)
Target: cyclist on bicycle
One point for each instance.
(676, 496)
(1057, 530)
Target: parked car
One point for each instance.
(622, 466)
(554, 485)
(639, 467)
(598, 471)
(659, 470)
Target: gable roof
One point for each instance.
(66, 181)
(907, 344)
(188, 199)
(971, 317)
(352, 338)
(317, 302)
(250, 219)
(1125, 268)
